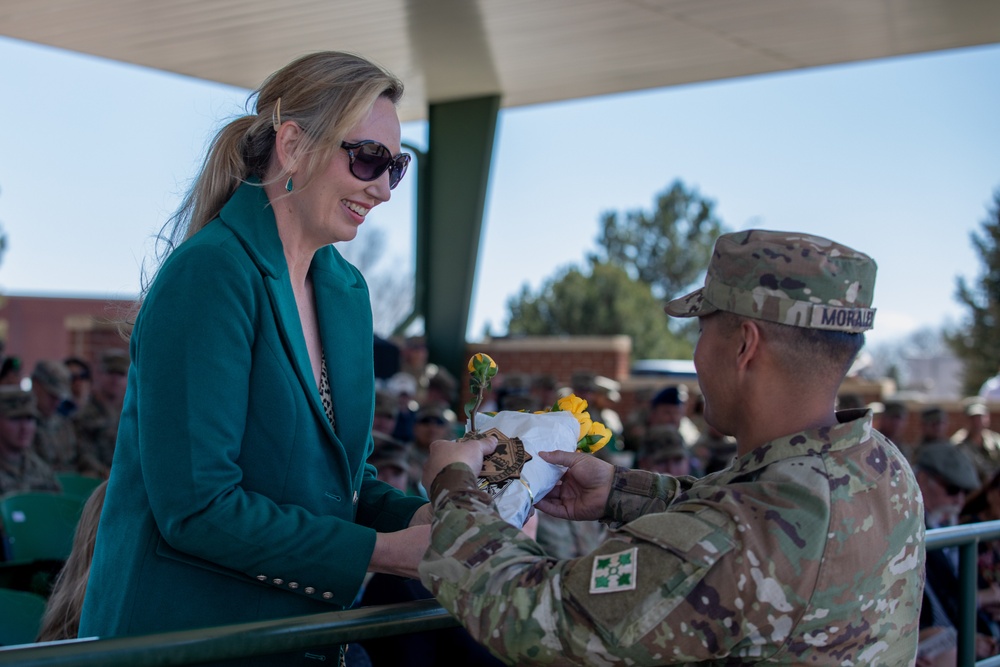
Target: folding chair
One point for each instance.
(20, 617)
(80, 486)
(38, 530)
(39, 525)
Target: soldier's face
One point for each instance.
(714, 359)
(16, 434)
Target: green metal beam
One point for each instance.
(450, 220)
(231, 642)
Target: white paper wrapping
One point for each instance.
(539, 433)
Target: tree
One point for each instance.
(602, 302)
(391, 290)
(667, 248)
(977, 340)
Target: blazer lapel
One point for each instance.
(248, 213)
(345, 322)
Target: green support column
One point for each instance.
(460, 148)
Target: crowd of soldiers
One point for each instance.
(67, 422)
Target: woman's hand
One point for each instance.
(399, 553)
(583, 491)
(446, 452)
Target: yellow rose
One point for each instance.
(572, 403)
(597, 436)
(482, 365)
(585, 424)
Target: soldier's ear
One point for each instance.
(748, 343)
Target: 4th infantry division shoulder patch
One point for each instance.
(614, 572)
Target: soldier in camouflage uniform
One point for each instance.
(807, 550)
(96, 422)
(21, 469)
(55, 440)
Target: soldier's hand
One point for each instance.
(445, 452)
(583, 491)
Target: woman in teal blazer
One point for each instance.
(239, 489)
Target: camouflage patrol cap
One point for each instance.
(949, 463)
(386, 404)
(15, 402)
(662, 443)
(785, 277)
(389, 452)
(976, 407)
(53, 376)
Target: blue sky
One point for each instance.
(898, 158)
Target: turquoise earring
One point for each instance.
(288, 185)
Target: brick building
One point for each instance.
(52, 327)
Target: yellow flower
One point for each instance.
(571, 403)
(585, 424)
(482, 365)
(598, 436)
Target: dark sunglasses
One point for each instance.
(431, 420)
(370, 159)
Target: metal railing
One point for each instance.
(232, 642)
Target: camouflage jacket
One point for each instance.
(808, 550)
(30, 473)
(96, 427)
(55, 442)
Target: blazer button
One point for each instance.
(293, 585)
(355, 497)
(309, 590)
(261, 577)
(327, 595)
(278, 582)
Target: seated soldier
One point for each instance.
(21, 469)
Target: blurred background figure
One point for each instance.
(440, 387)
(392, 460)
(21, 469)
(79, 380)
(669, 407)
(55, 439)
(403, 387)
(933, 426)
(663, 451)
(10, 371)
(602, 395)
(386, 412)
(976, 439)
(946, 477)
(96, 422)
(432, 423)
(544, 389)
(713, 450)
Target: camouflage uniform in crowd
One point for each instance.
(24, 471)
(807, 550)
(96, 422)
(96, 431)
(31, 473)
(55, 439)
(56, 443)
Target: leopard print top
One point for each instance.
(324, 392)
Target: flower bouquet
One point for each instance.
(514, 475)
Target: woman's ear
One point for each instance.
(286, 142)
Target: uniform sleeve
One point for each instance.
(646, 596)
(635, 493)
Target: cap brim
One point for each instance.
(692, 305)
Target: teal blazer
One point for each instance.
(231, 498)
